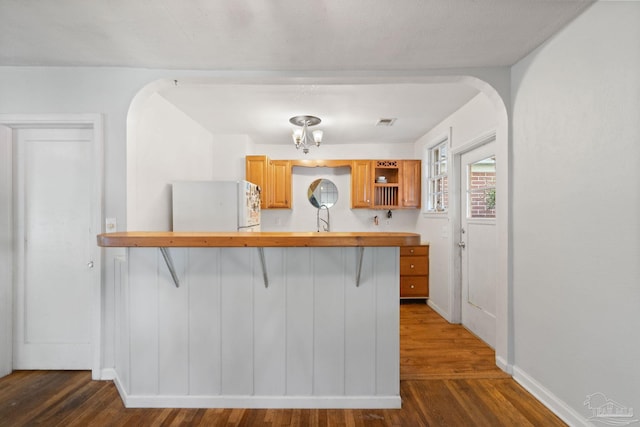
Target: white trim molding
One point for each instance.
(96, 123)
(548, 399)
(481, 139)
(426, 160)
(455, 217)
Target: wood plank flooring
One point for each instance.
(448, 378)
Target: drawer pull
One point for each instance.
(413, 286)
(411, 265)
(411, 250)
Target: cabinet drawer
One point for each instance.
(417, 286)
(414, 250)
(414, 265)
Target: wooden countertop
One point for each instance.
(259, 239)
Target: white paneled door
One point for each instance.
(55, 249)
(478, 242)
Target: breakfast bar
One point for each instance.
(258, 320)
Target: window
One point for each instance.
(481, 189)
(437, 179)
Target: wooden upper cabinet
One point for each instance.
(279, 184)
(256, 172)
(411, 183)
(361, 184)
(386, 181)
(274, 179)
(400, 189)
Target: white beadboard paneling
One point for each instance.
(173, 326)
(122, 322)
(387, 283)
(143, 295)
(269, 324)
(236, 267)
(310, 339)
(328, 329)
(299, 310)
(360, 324)
(204, 321)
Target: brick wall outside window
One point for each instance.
(481, 205)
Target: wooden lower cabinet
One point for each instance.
(414, 272)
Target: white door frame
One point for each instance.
(455, 285)
(88, 121)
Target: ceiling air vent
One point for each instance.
(385, 122)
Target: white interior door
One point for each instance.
(478, 243)
(55, 249)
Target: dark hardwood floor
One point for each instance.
(448, 378)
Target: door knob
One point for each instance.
(462, 245)
(90, 264)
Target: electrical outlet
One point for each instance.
(110, 225)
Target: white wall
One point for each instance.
(303, 215)
(108, 91)
(576, 212)
(167, 145)
(472, 120)
(6, 259)
(111, 91)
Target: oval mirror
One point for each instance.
(322, 192)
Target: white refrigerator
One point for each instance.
(216, 206)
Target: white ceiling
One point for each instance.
(349, 113)
(349, 36)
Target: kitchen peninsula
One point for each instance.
(258, 320)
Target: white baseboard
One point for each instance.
(438, 310)
(108, 374)
(265, 402)
(119, 386)
(502, 364)
(257, 402)
(548, 399)
(261, 402)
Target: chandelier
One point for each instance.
(301, 137)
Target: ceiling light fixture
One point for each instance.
(301, 136)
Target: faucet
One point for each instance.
(325, 226)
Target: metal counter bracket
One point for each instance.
(264, 267)
(359, 266)
(167, 259)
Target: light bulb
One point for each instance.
(317, 136)
(297, 136)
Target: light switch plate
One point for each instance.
(110, 225)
